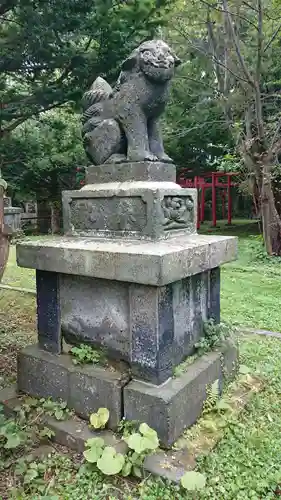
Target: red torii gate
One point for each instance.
(205, 181)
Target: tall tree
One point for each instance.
(50, 51)
(239, 42)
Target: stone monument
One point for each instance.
(12, 216)
(130, 275)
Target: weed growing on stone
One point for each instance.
(127, 427)
(85, 354)
(215, 336)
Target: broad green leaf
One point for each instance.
(13, 441)
(137, 472)
(193, 481)
(127, 469)
(99, 420)
(135, 442)
(95, 421)
(30, 476)
(111, 462)
(93, 454)
(151, 441)
(96, 441)
(145, 430)
(103, 414)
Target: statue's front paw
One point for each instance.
(137, 155)
(165, 158)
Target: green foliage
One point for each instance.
(56, 409)
(85, 354)
(215, 335)
(49, 55)
(127, 427)
(109, 461)
(11, 433)
(99, 420)
(193, 481)
(184, 366)
(94, 449)
(41, 156)
(144, 440)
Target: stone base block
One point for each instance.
(84, 388)
(178, 403)
(130, 210)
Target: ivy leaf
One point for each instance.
(13, 441)
(99, 420)
(111, 462)
(193, 481)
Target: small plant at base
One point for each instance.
(110, 462)
(12, 433)
(56, 409)
(127, 427)
(107, 459)
(99, 420)
(85, 354)
(193, 481)
(141, 444)
(215, 335)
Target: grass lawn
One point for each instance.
(245, 465)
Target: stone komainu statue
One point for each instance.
(121, 124)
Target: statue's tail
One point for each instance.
(92, 104)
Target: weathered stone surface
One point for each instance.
(137, 171)
(214, 296)
(92, 388)
(177, 404)
(12, 217)
(123, 123)
(48, 311)
(72, 432)
(153, 328)
(97, 312)
(135, 210)
(147, 263)
(85, 389)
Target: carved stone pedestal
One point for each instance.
(131, 275)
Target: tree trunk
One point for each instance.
(4, 236)
(270, 218)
